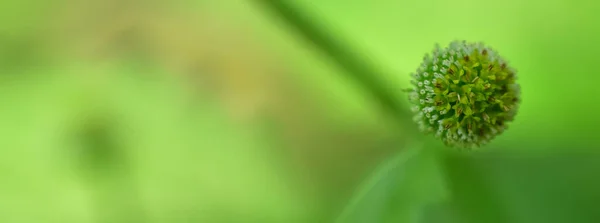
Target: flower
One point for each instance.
(465, 94)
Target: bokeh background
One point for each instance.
(220, 111)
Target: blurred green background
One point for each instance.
(219, 111)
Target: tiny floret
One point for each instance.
(473, 94)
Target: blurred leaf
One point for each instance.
(520, 187)
(398, 190)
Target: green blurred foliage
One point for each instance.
(544, 169)
(127, 139)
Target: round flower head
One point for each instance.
(465, 94)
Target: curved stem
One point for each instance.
(355, 67)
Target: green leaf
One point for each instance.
(398, 189)
(520, 186)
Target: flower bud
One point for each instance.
(472, 94)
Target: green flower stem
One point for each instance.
(356, 67)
